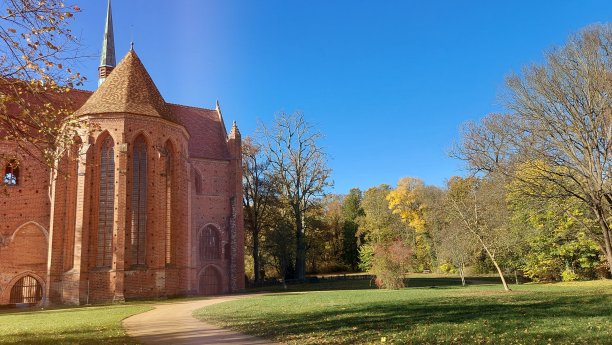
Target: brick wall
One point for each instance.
(24, 221)
(69, 225)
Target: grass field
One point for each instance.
(566, 313)
(87, 325)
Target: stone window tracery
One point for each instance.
(106, 204)
(139, 201)
(169, 177)
(210, 244)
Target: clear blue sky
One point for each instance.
(387, 82)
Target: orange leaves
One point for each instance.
(38, 41)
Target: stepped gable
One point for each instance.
(128, 89)
(207, 132)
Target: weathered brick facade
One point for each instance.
(167, 215)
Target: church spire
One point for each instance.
(107, 58)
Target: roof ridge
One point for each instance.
(80, 90)
(188, 106)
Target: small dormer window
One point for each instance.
(11, 173)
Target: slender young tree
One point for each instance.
(300, 170)
(478, 207)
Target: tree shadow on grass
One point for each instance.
(536, 320)
(70, 338)
(82, 335)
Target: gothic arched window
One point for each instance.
(11, 173)
(210, 244)
(139, 201)
(106, 203)
(169, 176)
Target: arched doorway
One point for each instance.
(26, 290)
(210, 282)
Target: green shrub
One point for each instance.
(569, 275)
(366, 252)
(447, 268)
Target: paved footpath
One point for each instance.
(173, 323)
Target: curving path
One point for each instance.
(173, 323)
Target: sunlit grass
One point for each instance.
(568, 313)
(86, 325)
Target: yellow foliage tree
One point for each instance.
(408, 201)
(405, 201)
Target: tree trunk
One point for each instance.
(492, 257)
(462, 274)
(256, 262)
(300, 252)
(516, 277)
(606, 235)
(284, 274)
(499, 271)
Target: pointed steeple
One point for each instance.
(107, 58)
(234, 132)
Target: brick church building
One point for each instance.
(148, 206)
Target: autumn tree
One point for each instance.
(386, 248)
(559, 236)
(259, 197)
(560, 123)
(351, 211)
(478, 207)
(454, 245)
(334, 222)
(408, 201)
(325, 237)
(279, 243)
(300, 169)
(37, 48)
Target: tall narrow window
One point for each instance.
(198, 182)
(169, 177)
(106, 204)
(209, 244)
(11, 173)
(139, 201)
(72, 162)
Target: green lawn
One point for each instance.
(567, 313)
(86, 325)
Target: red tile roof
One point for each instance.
(128, 89)
(206, 130)
(208, 139)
